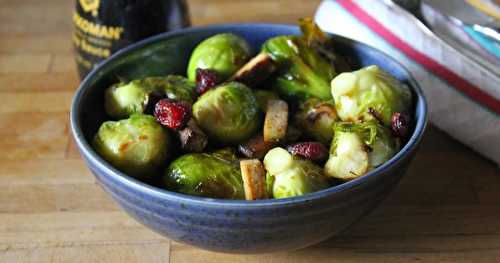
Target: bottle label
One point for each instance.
(102, 27)
(90, 6)
(92, 40)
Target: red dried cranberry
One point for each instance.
(172, 114)
(400, 124)
(205, 80)
(313, 151)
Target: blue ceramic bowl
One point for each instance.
(228, 225)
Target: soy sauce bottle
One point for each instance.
(102, 27)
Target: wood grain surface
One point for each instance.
(446, 209)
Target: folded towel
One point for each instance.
(463, 95)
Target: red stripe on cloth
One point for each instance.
(433, 66)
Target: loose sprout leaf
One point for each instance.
(368, 130)
(302, 73)
(311, 33)
(318, 40)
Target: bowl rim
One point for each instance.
(90, 156)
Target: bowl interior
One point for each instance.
(169, 54)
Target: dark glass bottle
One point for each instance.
(101, 27)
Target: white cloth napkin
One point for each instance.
(463, 96)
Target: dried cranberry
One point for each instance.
(313, 151)
(172, 114)
(205, 80)
(400, 124)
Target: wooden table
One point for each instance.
(447, 208)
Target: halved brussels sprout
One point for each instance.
(215, 175)
(229, 113)
(369, 93)
(293, 176)
(125, 99)
(316, 118)
(304, 73)
(358, 148)
(138, 146)
(223, 53)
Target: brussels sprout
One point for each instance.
(229, 113)
(304, 73)
(215, 175)
(138, 145)
(316, 118)
(263, 96)
(293, 176)
(125, 99)
(174, 87)
(358, 148)
(228, 154)
(369, 93)
(224, 53)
